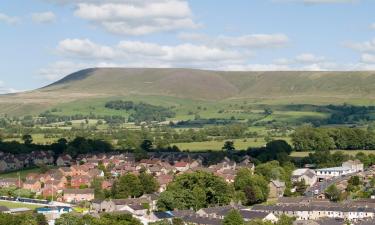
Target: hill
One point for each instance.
(197, 85)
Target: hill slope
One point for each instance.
(193, 84)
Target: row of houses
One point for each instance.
(313, 209)
(9, 162)
(68, 181)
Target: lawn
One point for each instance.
(23, 173)
(239, 144)
(12, 205)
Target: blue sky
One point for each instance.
(44, 40)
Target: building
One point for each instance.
(78, 195)
(9, 182)
(355, 165)
(305, 174)
(33, 185)
(277, 188)
(320, 210)
(347, 167)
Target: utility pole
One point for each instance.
(52, 179)
(19, 184)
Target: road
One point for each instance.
(319, 187)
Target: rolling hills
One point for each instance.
(180, 85)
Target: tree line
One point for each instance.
(308, 138)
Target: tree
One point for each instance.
(307, 138)
(229, 146)
(96, 184)
(127, 186)
(146, 145)
(27, 139)
(148, 182)
(333, 193)
(113, 219)
(275, 150)
(255, 187)
(194, 191)
(285, 220)
(233, 218)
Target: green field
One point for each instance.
(23, 173)
(239, 144)
(12, 205)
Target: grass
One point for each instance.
(240, 144)
(23, 173)
(12, 205)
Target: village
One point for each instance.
(69, 184)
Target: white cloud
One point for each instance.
(372, 26)
(251, 41)
(309, 58)
(129, 17)
(304, 58)
(85, 48)
(43, 17)
(254, 40)
(9, 19)
(60, 69)
(6, 90)
(132, 51)
(366, 46)
(368, 58)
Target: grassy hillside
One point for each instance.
(187, 87)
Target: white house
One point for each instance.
(308, 175)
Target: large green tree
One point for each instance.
(233, 218)
(254, 186)
(127, 185)
(195, 190)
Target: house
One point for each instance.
(264, 216)
(277, 188)
(9, 182)
(64, 160)
(163, 181)
(218, 212)
(196, 220)
(33, 185)
(49, 191)
(66, 171)
(78, 195)
(305, 174)
(355, 165)
(80, 180)
(181, 166)
(107, 184)
(316, 210)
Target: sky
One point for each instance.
(42, 41)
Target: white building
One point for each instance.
(347, 167)
(308, 175)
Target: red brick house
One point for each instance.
(78, 195)
(33, 185)
(80, 180)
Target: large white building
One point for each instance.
(347, 167)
